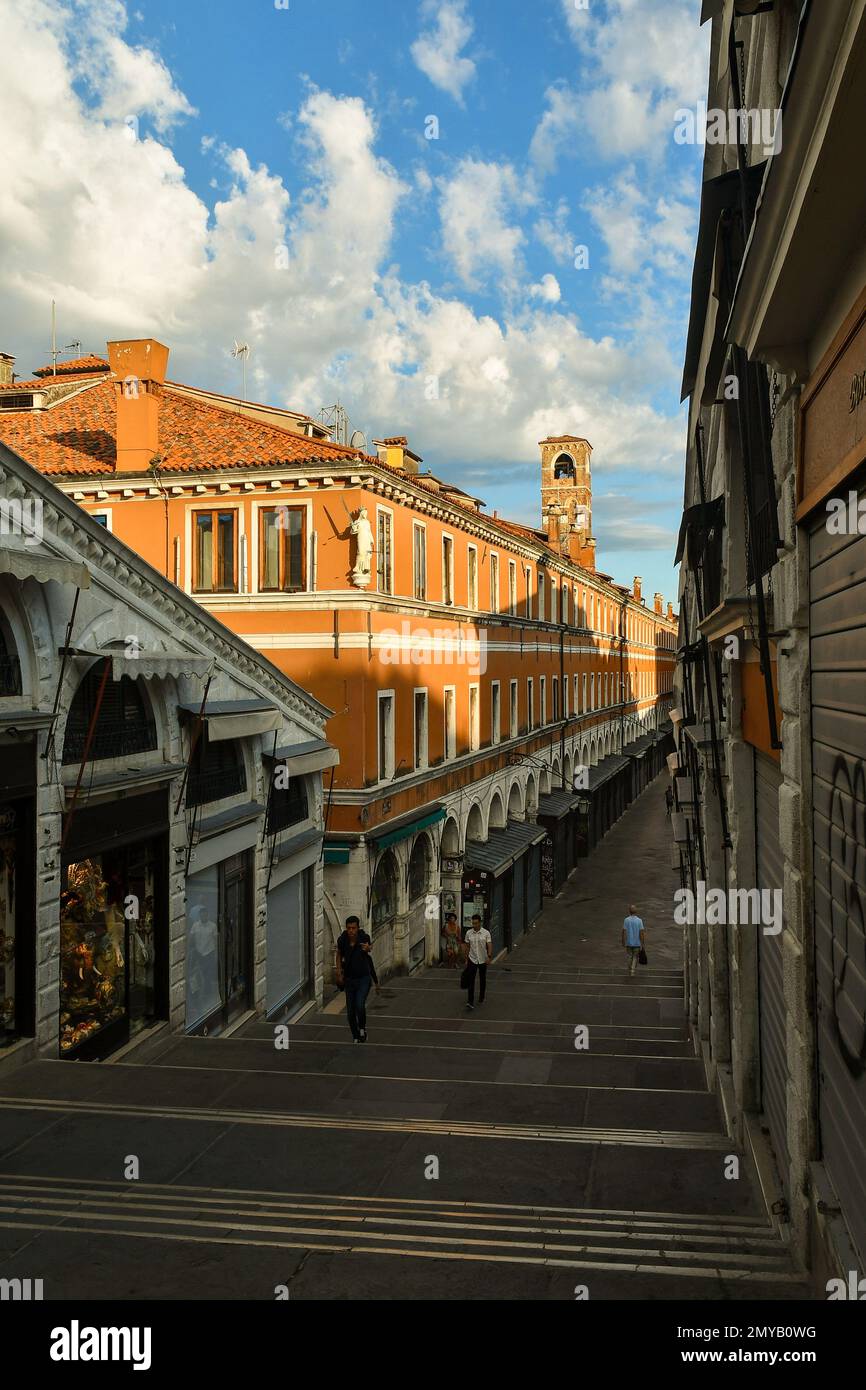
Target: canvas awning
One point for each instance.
(157, 665)
(498, 852)
(29, 563)
(640, 747)
(238, 718)
(400, 829)
(556, 805)
(313, 755)
(603, 771)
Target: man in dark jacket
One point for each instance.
(355, 973)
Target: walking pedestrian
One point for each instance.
(451, 940)
(355, 973)
(480, 944)
(632, 937)
(669, 799)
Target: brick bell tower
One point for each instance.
(566, 497)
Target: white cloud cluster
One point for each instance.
(109, 227)
(437, 50)
(647, 58)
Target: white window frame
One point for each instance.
(585, 706)
(389, 512)
(530, 705)
(555, 712)
(425, 751)
(212, 505)
(474, 716)
(563, 600)
(386, 775)
(541, 583)
(554, 600)
(565, 694)
(495, 713)
(513, 709)
(527, 575)
(107, 512)
(471, 588)
(448, 572)
(512, 587)
(251, 545)
(495, 592)
(419, 527)
(542, 700)
(452, 691)
(577, 694)
(592, 703)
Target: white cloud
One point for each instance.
(548, 290)
(436, 51)
(646, 59)
(554, 234)
(477, 236)
(110, 228)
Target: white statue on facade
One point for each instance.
(363, 533)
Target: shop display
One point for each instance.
(92, 969)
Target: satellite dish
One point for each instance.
(358, 440)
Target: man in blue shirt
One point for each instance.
(632, 937)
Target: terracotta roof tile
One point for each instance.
(73, 366)
(78, 436)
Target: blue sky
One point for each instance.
(214, 170)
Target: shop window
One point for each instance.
(124, 724)
(287, 804)
(384, 896)
(215, 552)
(282, 549)
(217, 771)
(107, 948)
(10, 666)
(419, 869)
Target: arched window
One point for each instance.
(384, 904)
(563, 467)
(419, 869)
(124, 725)
(10, 666)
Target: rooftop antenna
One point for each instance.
(54, 337)
(337, 421)
(74, 347)
(242, 350)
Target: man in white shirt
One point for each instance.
(480, 944)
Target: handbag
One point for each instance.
(641, 960)
(465, 977)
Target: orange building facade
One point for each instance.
(482, 674)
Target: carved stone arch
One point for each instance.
(496, 813)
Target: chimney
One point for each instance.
(7, 364)
(657, 604)
(140, 365)
(670, 612)
(637, 583)
(395, 453)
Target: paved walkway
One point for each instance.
(314, 1167)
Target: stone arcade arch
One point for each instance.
(475, 823)
(515, 802)
(496, 814)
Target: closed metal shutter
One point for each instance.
(497, 916)
(773, 1033)
(288, 962)
(838, 660)
(518, 898)
(533, 886)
